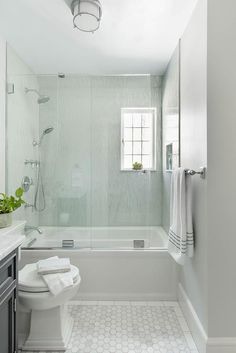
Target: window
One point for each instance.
(138, 142)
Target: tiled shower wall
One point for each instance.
(22, 127)
(84, 185)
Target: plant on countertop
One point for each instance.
(137, 166)
(9, 204)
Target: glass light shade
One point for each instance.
(87, 14)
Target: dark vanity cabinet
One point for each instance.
(8, 300)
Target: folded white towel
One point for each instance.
(58, 282)
(53, 265)
(181, 239)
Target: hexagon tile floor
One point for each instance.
(129, 327)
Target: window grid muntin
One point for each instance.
(151, 112)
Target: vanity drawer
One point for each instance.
(7, 271)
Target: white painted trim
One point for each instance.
(2, 113)
(204, 343)
(194, 323)
(221, 345)
(126, 296)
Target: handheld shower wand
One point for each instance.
(45, 132)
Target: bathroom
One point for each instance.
(100, 119)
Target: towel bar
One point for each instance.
(202, 172)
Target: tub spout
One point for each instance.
(28, 228)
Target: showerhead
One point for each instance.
(48, 130)
(42, 98)
(45, 132)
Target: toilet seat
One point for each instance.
(31, 282)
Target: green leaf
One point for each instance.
(19, 192)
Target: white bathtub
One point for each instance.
(110, 267)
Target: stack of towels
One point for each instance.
(56, 273)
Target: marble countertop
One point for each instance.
(11, 238)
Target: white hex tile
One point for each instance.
(129, 327)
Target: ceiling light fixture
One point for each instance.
(86, 14)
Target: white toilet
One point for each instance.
(50, 324)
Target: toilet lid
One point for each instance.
(30, 281)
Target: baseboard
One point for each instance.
(204, 343)
(126, 296)
(221, 345)
(195, 325)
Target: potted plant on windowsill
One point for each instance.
(8, 204)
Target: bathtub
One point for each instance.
(115, 263)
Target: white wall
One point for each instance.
(2, 112)
(221, 135)
(194, 150)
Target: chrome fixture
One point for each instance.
(26, 183)
(87, 14)
(201, 172)
(29, 205)
(41, 98)
(32, 162)
(68, 243)
(10, 88)
(45, 132)
(39, 182)
(28, 228)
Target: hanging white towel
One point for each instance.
(181, 240)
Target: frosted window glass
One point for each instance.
(147, 120)
(128, 162)
(128, 134)
(147, 162)
(137, 134)
(137, 148)
(146, 148)
(137, 120)
(128, 148)
(128, 121)
(146, 134)
(137, 158)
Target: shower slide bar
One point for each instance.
(201, 172)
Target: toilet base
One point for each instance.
(50, 330)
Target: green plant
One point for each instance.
(137, 166)
(9, 204)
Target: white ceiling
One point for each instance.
(135, 36)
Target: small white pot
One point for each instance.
(5, 220)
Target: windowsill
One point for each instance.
(138, 171)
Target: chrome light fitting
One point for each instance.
(87, 14)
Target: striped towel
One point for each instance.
(181, 240)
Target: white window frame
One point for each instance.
(153, 110)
